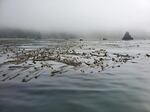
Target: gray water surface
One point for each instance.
(124, 89)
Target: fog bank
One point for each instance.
(76, 15)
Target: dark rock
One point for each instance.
(127, 36)
(104, 38)
(81, 39)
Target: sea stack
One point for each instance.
(127, 36)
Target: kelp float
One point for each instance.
(27, 64)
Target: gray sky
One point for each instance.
(75, 15)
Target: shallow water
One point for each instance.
(124, 89)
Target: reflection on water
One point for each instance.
(124, 89)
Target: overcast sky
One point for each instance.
(75, 15)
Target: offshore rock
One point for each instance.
(127, 36)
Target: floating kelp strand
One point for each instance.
(4, 79)
(10, 78)
(35, 75)
(147, 55)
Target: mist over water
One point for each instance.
(76, 16)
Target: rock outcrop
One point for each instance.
(127, 36)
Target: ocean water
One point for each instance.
(124, 89)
